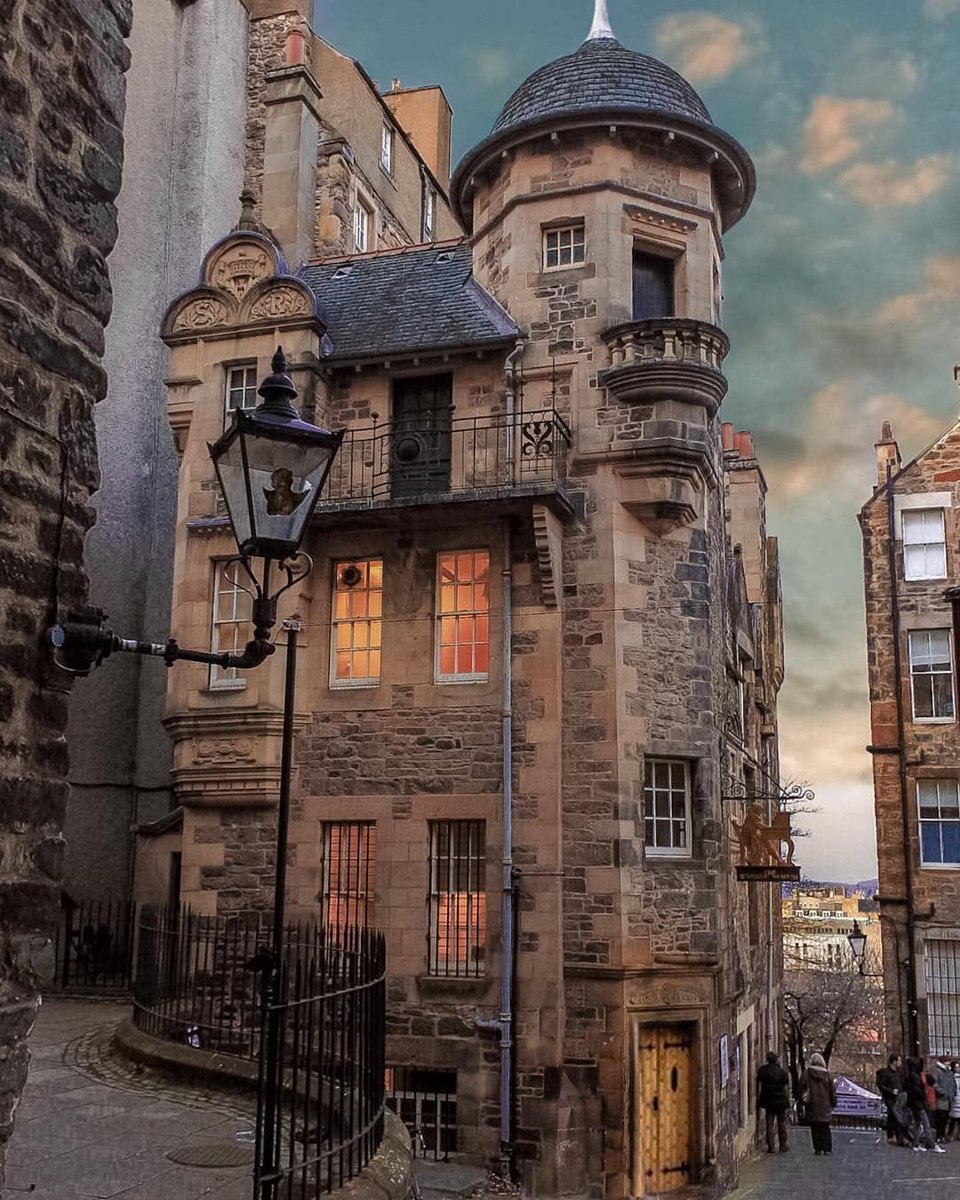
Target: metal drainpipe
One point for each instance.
(912, 1024)
(509, 957)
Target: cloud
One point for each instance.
(832, 459)
(937, 296)
(939, 10)
(832, 131)
(890, 184)
(493, 66)
(704, 46)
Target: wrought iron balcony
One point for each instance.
(447, 458)
(667, 357)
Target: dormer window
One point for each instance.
(386, 149)
(563, 247)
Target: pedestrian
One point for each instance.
(820, 1099)
(918, 1105)
(773, 1096)
(953, 1133)
(945, 1088)
(890, 1085)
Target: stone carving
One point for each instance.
(240, 268)
(201, 314)
(279, 302)
(664, 993)
(224, 750)
(663, 220)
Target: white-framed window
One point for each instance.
(357, 625)
(429, 214)
(924, 544)
(362, 223)
(666, 807)
(938, 806)
(931, 674)
(386, 149)
(941, 972)
(457, 943)
(232, 628)
(241, 387)
(463, 616)
(563, 247)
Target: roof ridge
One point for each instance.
(385, 252)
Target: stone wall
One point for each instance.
(62, 95)
(930, 748)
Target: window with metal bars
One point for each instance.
(425, 1099)
(463, 616)
(941, 969)
(357, 626)
(458, 899)
(232, 628)
(349, 875)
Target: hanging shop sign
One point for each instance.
(766, 847)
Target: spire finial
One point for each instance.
(601, 23)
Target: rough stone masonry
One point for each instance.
(62, 65)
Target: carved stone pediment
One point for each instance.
(277, 299)
(203, 311)
(238, 266)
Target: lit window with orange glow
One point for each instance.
(349, 870)
(463, 616)
(357, 626)
(458, 899)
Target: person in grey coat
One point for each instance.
(820, 1099)
(945, 1086)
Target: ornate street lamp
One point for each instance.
(272, 466)
(858, 944)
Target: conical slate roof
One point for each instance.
(601, 75)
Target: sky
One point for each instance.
(841, 284)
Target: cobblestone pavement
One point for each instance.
(92, 1125)
(860, 1168)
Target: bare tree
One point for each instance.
(834, 1011)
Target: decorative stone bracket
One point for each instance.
(548, 538)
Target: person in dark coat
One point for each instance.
(918, 1106)
(820, 1099)
(773, 1096)
(890, 1085)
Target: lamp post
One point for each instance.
(271, 466)
(858, 944)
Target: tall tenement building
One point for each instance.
(542, 634)
(910, 566)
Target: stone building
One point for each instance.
(62, 100)
(817, 923)
(203, 79)
(542, 635)
(910, 543)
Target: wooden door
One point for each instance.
(652, 286)
(664, 1109)
(420, 435)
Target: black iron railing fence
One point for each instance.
(94, 943)
(197, 982)
(463, 457)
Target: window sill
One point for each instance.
(453, 985)
(445, 681)
(217, 689)
(940, 866)
(353, 685)
(934, 720)
(666, 856)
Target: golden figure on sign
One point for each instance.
(761, 845)
(282, 500)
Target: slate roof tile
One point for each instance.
(392, 303)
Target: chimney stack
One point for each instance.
(888, 454)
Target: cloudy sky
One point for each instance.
(842, 283)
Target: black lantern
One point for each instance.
(858, 942)
(272, 466)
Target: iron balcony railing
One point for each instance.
(447, 457)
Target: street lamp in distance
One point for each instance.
(858, 944)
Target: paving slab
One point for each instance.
(93, 1127)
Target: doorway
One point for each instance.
(664, 1108)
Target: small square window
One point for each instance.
(241, 387)
(924, 544)
(386, 149)
(563, 247)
